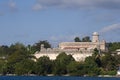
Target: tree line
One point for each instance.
(19, 59)
(84, 39)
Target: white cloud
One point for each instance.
(37, 7)
(106, 4)
(111, 28)
(12, 5)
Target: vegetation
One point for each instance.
(61, 62)
(43, 66)
(113, 46)
(77, 39)
(84, 39)
(18, 59)
(37, 46)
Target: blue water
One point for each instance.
(55, 78)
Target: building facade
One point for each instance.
(79, 50)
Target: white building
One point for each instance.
(118, 72)
(118, 51)
(79, 50)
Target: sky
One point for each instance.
(29, 21)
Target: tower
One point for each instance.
(42, 47)
(95, 37)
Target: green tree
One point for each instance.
(113, 46)
(76, 68)
(18, 53)
(37, 46)
(77, 39)
(2, 65)
(86, 39)
(25, 67)
(117, 57)
(91, 66)
(44, 66)
(61, 63)
(4, 50)
(97, 57)
(109, 62)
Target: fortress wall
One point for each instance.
(82, 45)
(52, 56)
(77, 55)
(80, 57)
(79, 50)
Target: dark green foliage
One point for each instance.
(18, 53)
(4, 50)
(86, 39)
(77, 39)
(91, 66)
(25, 67)
(61, 63)
(109, 62)
(113, 46)
(43, 66)
(37, 46)
(2, 66)
(76, 68)
(117, 57)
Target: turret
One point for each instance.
(42, 47)
(95, 37)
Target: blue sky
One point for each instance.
(28, 21)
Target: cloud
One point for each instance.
(12, 5)
(37, 7)
(7, 6)
(105, 4)
(110, 28)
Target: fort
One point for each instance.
(79, 50)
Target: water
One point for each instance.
(56, 78)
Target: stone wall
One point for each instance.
(82, 45)
(79, 50)
(52, 54)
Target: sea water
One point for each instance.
(56, 78)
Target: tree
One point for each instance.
(25, 67)
(86, 39)
(18, 53)
(75, 68)
(61, 63)
(113, 46)
(16, 47)
(2, 66)
(91, 66)
(37, 46)
(44, 66)
(109, 62)
(4, 50)
(77, 39)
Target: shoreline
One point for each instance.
(67, 75)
